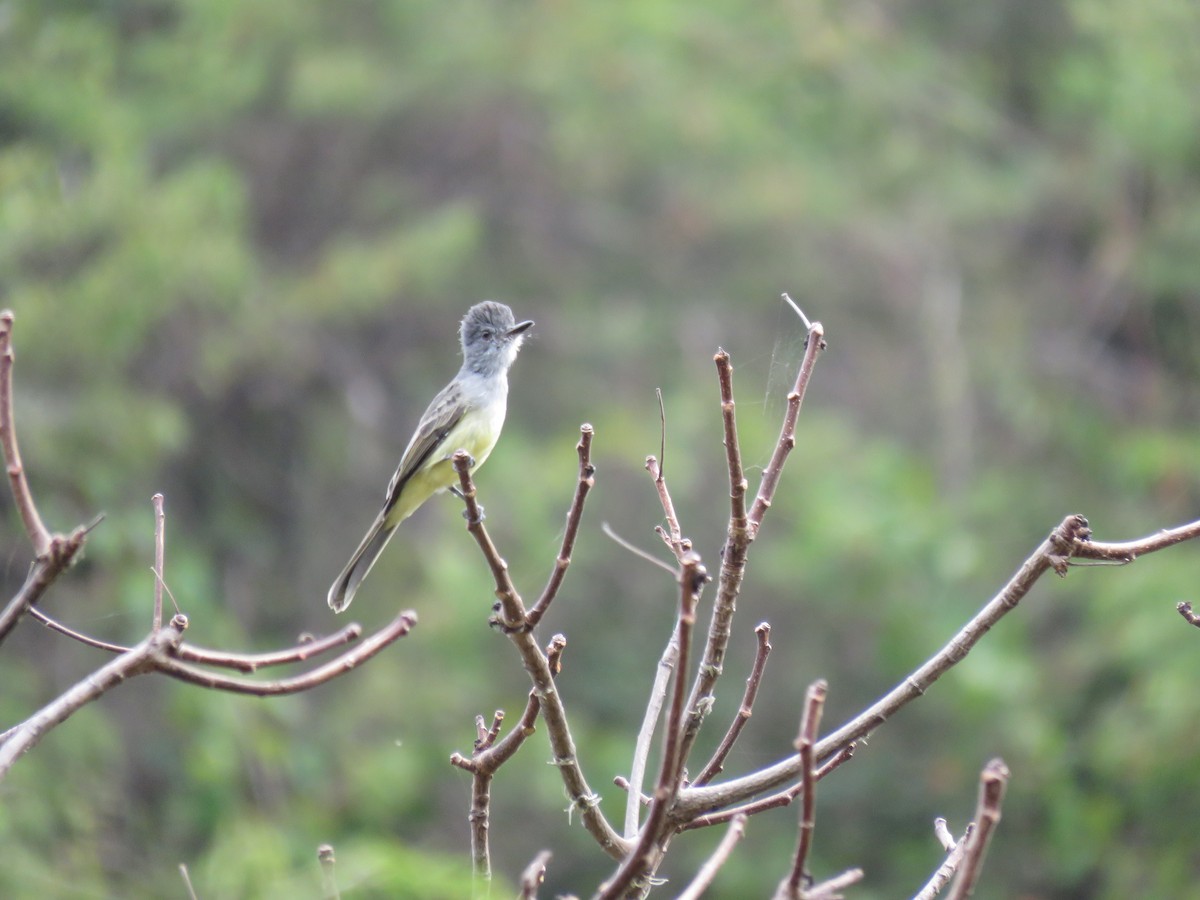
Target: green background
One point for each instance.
(238, 238)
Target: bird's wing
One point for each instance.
(444, 412)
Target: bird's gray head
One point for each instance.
(490, 337)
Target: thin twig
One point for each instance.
(587, 479)
(327, 861)
(1127, 551)
(814, 702)
(645, 735)
(512, 609)
(1185, 610)
(534, 875)
(88, 640)
(241, 662)
(955, 852)
(733, 454)
(351, 659)
(139, 660)
(814, 344)
(45, 569)
(640, 861)
(830, 890)
(160, 525)
(798, 310)
(187, 881)
(708, 871)
(554, 653)
(680, 546)
(39, 536)
(774, 801)
(992, 781)
(941, 830)
(671, 535)
(742, 530)
(513, 621)
(485, 736)
(715, 765)
(252, 662)
(634, 549)
(1051, 553)
(52, 553)
(487, 757)
(662, 431)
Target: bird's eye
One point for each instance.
(487, 335)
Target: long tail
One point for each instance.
(360, 564)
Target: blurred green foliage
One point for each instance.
(238, 237)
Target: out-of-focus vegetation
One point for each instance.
(238, 238)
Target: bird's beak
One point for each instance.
(520, 327)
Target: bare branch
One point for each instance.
(640, 860)
(537, 664)
(733, 454)
(554, 653)
(485, 736)
(351, 659)
(814, 344)
(783, 798)
(671, 534)
(137, 661)
(798, 310)
(708, 871)
(47, 567)
(950, 865)
(487, 757)
(814, 702)
(829, 890)
(38, 534)
(992, 782)
(241, 662)
(52, 553)
(252, 662)
(512, 609)
(741, 530)
(941, 830)
(1185, 610)
(187, 881)
(587, 479)
(1127, 551)
(715, 765)
(645, 735)
(326, 859)
(87, 640)
(160, 526)
(1053, 552)
(534, 875)
(634, 549)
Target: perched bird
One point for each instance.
(467, 414)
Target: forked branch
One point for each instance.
(743, 527)
(53, 553)
(38, 534)
(512, 620)
(163, 649)
(1070, 540)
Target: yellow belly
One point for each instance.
(476, 433)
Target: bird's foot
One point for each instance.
(497, 621)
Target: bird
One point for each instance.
(467, 414)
